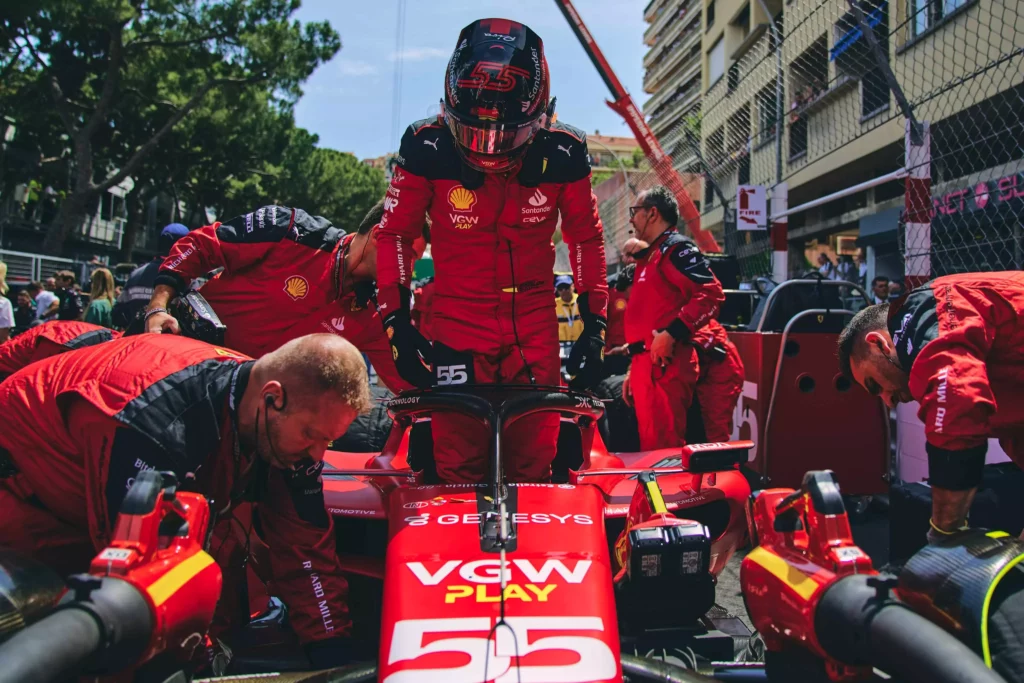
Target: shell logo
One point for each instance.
(296, 287)
(620, 305)
(461, 199)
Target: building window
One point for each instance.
(926, 14)
(798, 137)
(709, 192)
(711, 14)
(852, 52)
(742, 20)
(734, 76)
(743, 173)
(716, 62)
(874, 93)
(768, 113)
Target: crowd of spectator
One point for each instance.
(59, 297)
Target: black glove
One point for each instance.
(330, 653)
(412, 352)
(586, 359)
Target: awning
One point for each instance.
(854, 34)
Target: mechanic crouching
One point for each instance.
(286, 274)
(50, 339)
(82, 425)
(674, 295)
(956, 346)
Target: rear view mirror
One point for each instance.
(701, 458)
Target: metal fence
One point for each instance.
(824, 96)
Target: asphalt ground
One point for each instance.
(870, 533)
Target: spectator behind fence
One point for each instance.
(6, 309)
(101, 298)
(44, 299)
(24, 312)
(826, 267)
(70, 306)
(139, 289)
(880, 290)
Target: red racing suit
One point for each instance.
(961, 338)
(50, 339)
(615, 335)
(88, 421)
(720, 382)
(493, 260)
(423, 310)
(282, 275)
(675, 290)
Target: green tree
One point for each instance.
(122, 74)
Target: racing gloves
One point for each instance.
(412, 352)
(586, 359)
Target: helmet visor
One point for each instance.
(491, 138)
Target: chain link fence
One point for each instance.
(961, 67)
(816, 95)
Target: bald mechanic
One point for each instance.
(234, 429)
(50, 339)
(286, 274)
(956, 346)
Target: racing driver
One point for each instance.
(674, 295)
(232, 428)
(286, 274)
(953, 345)
(495, 172)
(50, 339)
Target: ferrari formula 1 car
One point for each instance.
(614, 560)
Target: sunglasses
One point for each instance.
(634, 209)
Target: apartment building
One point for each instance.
(672, 75)
(835, 123)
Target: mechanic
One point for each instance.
(495, 173)
(50, 339)
(139, 289)
(954, 346)
(674, 295)
(286, 274)
(616, 352)
(720, 381)
(232, 428)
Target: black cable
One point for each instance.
(515, 328)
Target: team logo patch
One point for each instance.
(296, 287)
(620, 305)
(461, 199)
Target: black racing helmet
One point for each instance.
(496, 93)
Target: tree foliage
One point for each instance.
(120, 76)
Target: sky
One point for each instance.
(349, 101)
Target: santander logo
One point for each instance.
(538, 198)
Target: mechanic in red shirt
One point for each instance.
(720, 381)
(674, 295)
(50, 339)
(286, 274)
(495, 173)
(234, 429)
(616, 353)
(956, 346)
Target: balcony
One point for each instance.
(666, 14)
(664, 37)
(651, 11)
(667, 117)
(681, 51)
